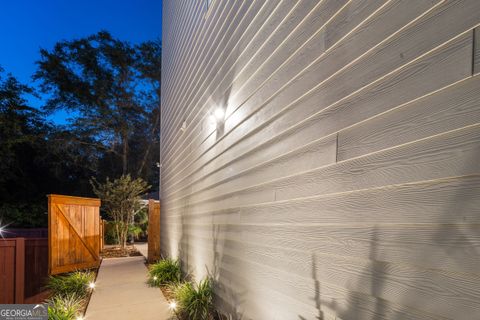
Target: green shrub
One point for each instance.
(110, 233)
(75, 283)
(66, 307)
(164, 272)
(194, 302)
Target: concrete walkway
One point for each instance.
(121, 292)
(142, 247)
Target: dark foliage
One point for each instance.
(112, 89)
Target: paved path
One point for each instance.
(122, 293)
(143, 248)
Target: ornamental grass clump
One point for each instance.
(164, 272)
(73, 284)
(65, 307)
(194, 302)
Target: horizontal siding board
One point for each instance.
(392, 204)
(438, 17)
(453, 248)
(294, 161)
(332, 59)
(344, 181)
(344, 303)
(229, 75)
(312, 100)
(455, 107)
(447, 155)
(208, 36)
(374, 100)
(451, 58)
(185, 31)
(293, 67)
(231, 69)
(265, 25)
(214, 49)
(431, 291)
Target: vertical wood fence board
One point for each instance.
(7, 270)
(19, 269)
(36, 265)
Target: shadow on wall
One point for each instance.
(229, 301)
(317, 296)
(460, 244)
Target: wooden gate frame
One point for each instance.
(54, 200)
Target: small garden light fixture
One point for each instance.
(173, 305)
(80, 318)
(91, 285)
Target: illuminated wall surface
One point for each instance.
(320, 159)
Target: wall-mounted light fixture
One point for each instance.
(217, 116)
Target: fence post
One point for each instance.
(102, 234)
(19, 270)
(153, 231)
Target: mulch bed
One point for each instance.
(118, 252)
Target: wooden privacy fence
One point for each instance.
(153, 230)
(73, 233)
(23, 268)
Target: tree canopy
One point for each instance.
(111, 89)
(114, 88)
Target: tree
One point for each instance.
(121, 200)
(32, 162)
(22, 134)
(113, 88)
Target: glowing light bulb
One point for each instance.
(91, 285)
(219, 114)
(155, 278)
(173, 305)
(3, 228)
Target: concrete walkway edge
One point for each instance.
(121, 293)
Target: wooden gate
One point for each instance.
(153, 230)
(73, 233)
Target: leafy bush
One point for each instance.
(121, 201)
(24, 215)
(75, 283)
(194, 302)
(65, 307)
(164, 272)
(111, 233)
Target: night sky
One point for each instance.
(27, 25)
